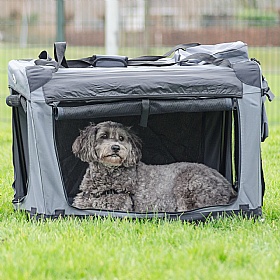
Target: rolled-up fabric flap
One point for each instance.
(191, 105)
(113, 109)
(129, 108)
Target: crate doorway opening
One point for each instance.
(197, 137)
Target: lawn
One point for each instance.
(232, 248)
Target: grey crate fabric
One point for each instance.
(201, 100)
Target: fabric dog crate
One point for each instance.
(204, 104)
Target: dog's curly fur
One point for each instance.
(116, 179)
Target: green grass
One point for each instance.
(231, 248)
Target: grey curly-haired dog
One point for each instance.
(116, 179)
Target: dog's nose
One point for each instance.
(115, 148)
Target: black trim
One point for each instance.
(244, 207)
(18, 136)
(262, 181)
(226, 127)
(59, 213)
(33, 211)
(189, 216)
(237, 146)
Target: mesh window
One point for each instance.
(175, 137)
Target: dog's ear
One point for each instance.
(135, 153)
(83, 146)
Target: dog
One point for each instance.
(116, 179)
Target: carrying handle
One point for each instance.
(93, 61)
(110, 61)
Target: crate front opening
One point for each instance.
(196, 137)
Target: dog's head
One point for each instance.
(108, 143)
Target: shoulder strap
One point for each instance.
(151, 61)
(160, 60)
(181, 46)
(204, 58)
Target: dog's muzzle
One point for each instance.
(115, 149)
(114, 158)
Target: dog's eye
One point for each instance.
(121, 138)
(104, 136)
